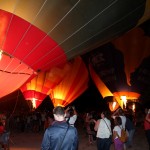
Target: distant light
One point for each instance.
(124, 99)
(133, 107)
(34, 102)
(113, 105)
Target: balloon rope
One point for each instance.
(49, 33)
(15, 105)
(28, 28)
(9, 25)
(72, 36)
(115, 34)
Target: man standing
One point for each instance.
(60, 136)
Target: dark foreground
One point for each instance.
(32, 141)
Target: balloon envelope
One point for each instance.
(135, 46)
(39, 87)
(124, 61)
(72, 86)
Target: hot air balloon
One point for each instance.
(133, 48)
(104, 91)
(39, 36)
(109, 78)
(72, 86)
(38, 88)
(112, 103)
(107, 62)
(13, 74)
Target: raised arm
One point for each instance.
(74, 109)
(96, 124)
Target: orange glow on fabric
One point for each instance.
(40, 86)
(146, 13)
(104, 91)
(118, 99)
(135, 46)
(3, 28)
(113, 106)
(74, 84)
(132, 96)
(55, 76)
(128, 94)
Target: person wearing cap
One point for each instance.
(60, 135)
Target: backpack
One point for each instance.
(123, 138)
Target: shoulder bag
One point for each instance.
(59, 148)
(109, 131)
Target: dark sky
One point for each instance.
(90, 100)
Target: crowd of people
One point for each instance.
(104, 129)
(60, 127)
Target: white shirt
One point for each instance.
(103, 131)
(118, 130)
(72, 120)
(123, 118)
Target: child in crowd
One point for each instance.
(117, 133)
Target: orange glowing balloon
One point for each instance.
(104, 91)
(39, 87)
(135, 46)
(113, 106)
(73, 85)
(116, 61)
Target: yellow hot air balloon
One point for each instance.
(72, 86)
(38, 88)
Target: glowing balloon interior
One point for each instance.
(73, 84)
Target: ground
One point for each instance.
(32, 141)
